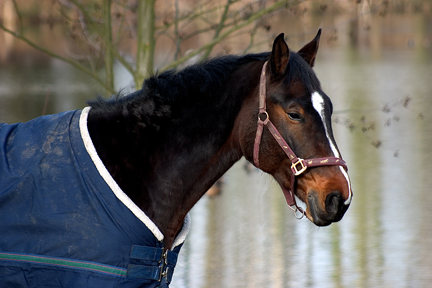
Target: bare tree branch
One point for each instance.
(224, 35)
(218, 28)
(18, 13)
(97, 22)
(109, 57)
(145, 41)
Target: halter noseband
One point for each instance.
(299, 165)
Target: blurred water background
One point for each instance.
(376, 65)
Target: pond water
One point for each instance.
(247, 236)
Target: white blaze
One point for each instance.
(318, 104)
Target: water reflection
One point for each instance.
(247, 237)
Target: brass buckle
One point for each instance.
(297, 171)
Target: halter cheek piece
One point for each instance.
(298, 165)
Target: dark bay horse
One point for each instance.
(148, 157)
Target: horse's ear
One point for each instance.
(279, 56)
(309, 51)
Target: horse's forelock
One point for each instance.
(299, 70)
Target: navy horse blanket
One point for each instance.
(64, 221)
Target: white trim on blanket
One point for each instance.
(118, 192)
(181, 237)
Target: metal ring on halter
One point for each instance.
(302, 214)
(295, 210)
(261, 113)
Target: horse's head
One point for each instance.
(301, 114)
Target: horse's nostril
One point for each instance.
(334, 203)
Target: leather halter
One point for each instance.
(298, 165)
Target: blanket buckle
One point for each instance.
(162, 265)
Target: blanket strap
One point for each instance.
(13, 259)
(152, 263)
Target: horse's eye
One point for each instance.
(294, 116)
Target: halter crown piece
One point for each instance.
(298, 165)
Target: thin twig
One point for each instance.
(218, 28)
(56, 56)
(19, 16)
(176, 30)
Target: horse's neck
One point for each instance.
(167, 179)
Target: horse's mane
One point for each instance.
(199, 79)
(193, 89)
(181, 89)
(205, 78)
(180, 85)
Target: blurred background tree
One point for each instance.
(127, 31)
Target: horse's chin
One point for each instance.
(318, 221)
(315, 211)
(319, 216)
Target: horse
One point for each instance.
(100, 197)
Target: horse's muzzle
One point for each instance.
(333, 211)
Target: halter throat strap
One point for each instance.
(298, 165)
